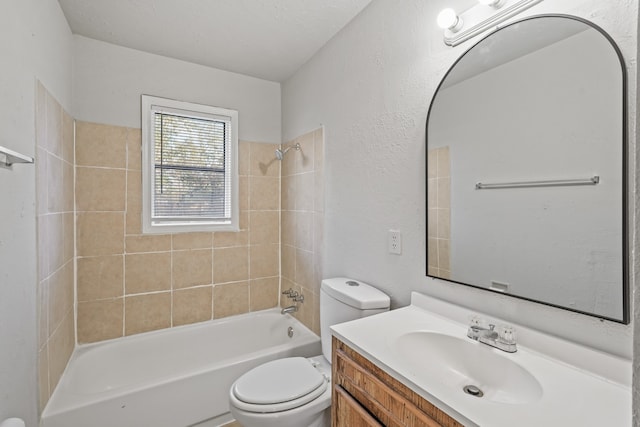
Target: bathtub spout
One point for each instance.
(290, 309)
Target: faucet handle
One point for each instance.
(507, 334)
(475, 321)
(290, 293)
(474, 327)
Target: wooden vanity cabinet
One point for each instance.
(365, 396)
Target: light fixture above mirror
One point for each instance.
(486, 14)
(448, 19)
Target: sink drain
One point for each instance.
(473, 390)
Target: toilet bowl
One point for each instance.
(290, 392)
(296, 391)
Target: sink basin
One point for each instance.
(457, 363)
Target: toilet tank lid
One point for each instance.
(355, 293)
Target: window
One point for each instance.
(189, 167)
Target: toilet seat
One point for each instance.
(279, 385)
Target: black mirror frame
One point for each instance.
(625, 147)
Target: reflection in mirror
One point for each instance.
(539, 100)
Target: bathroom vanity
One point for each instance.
(410, 367)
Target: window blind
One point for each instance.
(191, 179)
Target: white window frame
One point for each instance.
(150, 104)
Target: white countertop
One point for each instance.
(580, 386)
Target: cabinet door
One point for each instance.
(349, 413)
(383, 398)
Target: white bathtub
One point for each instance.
(175, 377)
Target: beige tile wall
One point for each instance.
(439, 212)
(54, 204)
(302, 224)
(130, 283)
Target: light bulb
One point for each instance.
(448, 19)
(492, 3)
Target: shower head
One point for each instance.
(280, 152)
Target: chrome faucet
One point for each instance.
(296, 297)
(290, 309)
(504, 340)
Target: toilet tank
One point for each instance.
(343, 299)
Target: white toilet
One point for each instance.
(296, 391)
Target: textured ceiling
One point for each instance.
(268, 39)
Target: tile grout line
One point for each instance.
(124, 238)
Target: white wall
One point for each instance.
(371, 86)
(36, 44)
(108, 81)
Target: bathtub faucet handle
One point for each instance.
(299, 298)
(291, 294)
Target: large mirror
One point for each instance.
(526, 175)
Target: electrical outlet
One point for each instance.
(395, 242)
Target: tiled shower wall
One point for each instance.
(130, 283)
(302, 224)
(54, 204)
(439, 205)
